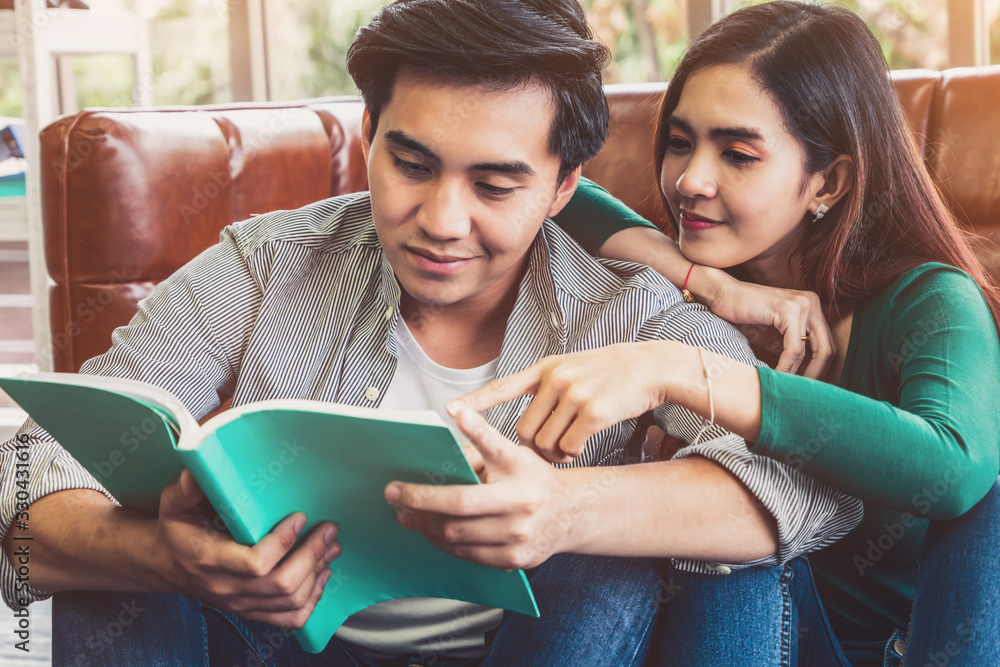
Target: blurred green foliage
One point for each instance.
(190, 45)
(10, 89)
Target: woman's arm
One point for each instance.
(929, 446)
(606, 227)
(925, 439)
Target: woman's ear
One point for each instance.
(831, 184)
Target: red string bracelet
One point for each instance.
(684, 288)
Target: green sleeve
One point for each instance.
(593, 216)
(925, 434)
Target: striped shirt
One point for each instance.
(302, 304)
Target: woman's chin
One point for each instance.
(697, 253)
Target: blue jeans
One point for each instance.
(955, 620)
(595, 611)
(956, 606)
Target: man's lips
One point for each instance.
(434, 263)
(691, 221)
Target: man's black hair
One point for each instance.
(498, 44)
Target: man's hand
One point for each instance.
(511, 521)
(270, 581)
(578, 395)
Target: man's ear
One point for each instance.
(366, 127)
(565, 191)
(831, 184)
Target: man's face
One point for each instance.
(461, 179)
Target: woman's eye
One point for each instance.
(739, 157)
(677, 144)
(409, 168)
(495, 191)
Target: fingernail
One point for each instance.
(453, 407)
(392, 493)
(330, 535)
(332, 553)
(325, 576)
(299, 524)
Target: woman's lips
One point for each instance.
(696, 222)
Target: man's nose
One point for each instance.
(444, 214)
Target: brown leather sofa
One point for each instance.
(131, 195)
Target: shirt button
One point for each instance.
(723, 569)
(389, 313)
(899, 646)
(371, 393)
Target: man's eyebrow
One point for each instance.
(511, 167)
(404, 140)
(748, 133)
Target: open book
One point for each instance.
(260, 462)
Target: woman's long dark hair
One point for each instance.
(825, 70)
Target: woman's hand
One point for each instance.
(759, 309)
(577, 395)
(763, 313)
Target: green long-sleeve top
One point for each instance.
(913, 429)
(592, 216)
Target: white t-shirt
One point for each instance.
(423, 626)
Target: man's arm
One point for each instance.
(187, 337)
(730, 497)
(83, 541)
(528, 510)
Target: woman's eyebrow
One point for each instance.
(749, 133)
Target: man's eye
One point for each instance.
(739, 157)
(409, 168)
(494, 191)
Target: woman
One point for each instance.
(786, 159)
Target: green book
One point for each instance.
(260, 462)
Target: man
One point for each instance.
(445, 276)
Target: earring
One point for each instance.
(820, 212)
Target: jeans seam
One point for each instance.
(244, 634)
(786, 617)
(206, 653)
(646, 638)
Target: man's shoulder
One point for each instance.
(328, 225)
(583, 277)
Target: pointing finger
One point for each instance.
(498, 391)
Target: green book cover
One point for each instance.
(260, 462)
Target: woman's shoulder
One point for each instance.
(928, 279)
(932, 289)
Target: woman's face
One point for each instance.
(733, 175)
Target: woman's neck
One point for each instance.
(773, 271)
